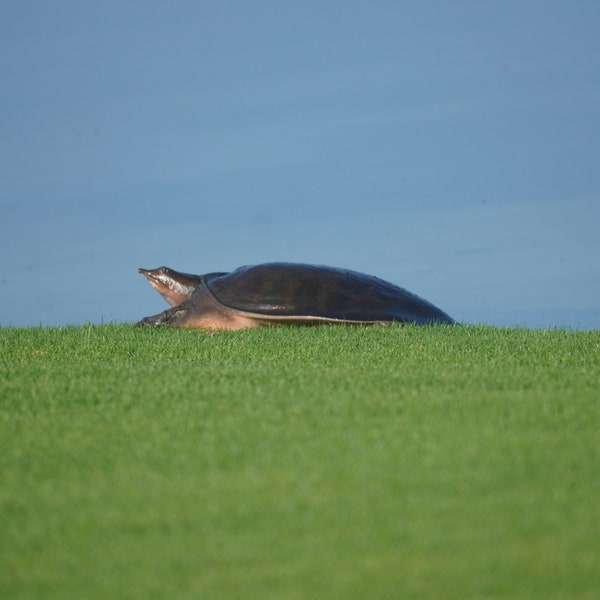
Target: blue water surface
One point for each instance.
(449, 147)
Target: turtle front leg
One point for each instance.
(171, 316)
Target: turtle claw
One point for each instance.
(155, 320)
(172, 316)
(146, 322)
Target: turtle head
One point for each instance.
(173, 286)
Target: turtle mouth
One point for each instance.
(154, 278)
(149, 274)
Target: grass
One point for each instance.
(328, 462)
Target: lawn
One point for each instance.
(326, 462)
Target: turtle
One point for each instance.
(282, 293)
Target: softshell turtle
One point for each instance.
(284, 293)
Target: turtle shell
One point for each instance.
(288, 291)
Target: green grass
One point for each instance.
(328, 462)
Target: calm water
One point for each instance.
(407, 141)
